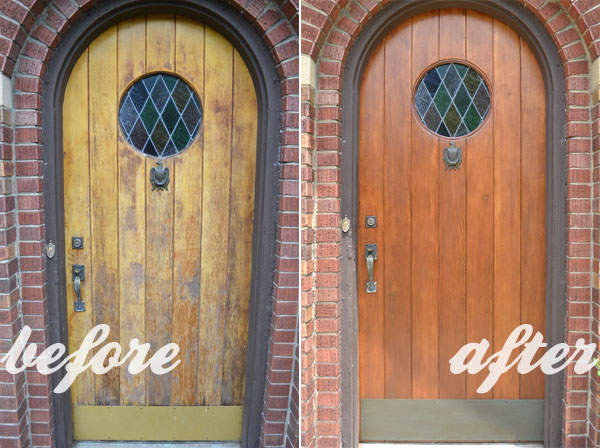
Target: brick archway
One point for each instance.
(330, 30)
(30, 33)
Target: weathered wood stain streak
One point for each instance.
(103, 103)
(132, 209)
(188, 227)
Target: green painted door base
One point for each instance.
(158, 423)
(451, 420)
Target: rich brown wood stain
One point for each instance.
(461, 253)
(169, 266)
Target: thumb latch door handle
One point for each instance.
(78, 277)
(370, 257)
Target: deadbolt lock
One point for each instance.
(77, 242)
(370, 222)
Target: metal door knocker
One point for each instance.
(452, 157)
(159, 177)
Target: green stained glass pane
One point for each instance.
(461, 69)
(462, 100)
(472, 118)
(170, 82)
(170, 116)
(149, 116)
(452, 120)
(472, 81)
(181, 95)
(460, 103)
(442, 100)
(180, 136)
(160, 136)
(160, 115)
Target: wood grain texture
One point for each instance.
(370, 181)
(187, 189)
(425, 219)
(241, 215)
(479, 168)
(397, 214)
(76, 165)
(533, 211)
(160, 42)
(104, 242)
(160, 54)
(215, 214)
(131, 53)
(507, 196)
(452, 230)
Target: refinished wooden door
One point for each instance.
(460, 247)
(163, 263)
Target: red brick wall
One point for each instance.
(329, 29)
(30, 30)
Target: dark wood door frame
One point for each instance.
(533, 32)
(231, 24)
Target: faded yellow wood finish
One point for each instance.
(241, 207)
(215, 216)
(77, 211)
(104, 244)
(187, 189)
(168, 266)
(132, 210)
(160, 32)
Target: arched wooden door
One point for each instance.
(164, 261)
(460, 239)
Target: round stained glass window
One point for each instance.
(452, 100)
(160, 115)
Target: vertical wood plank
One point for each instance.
(160, 42)
(241, 213)
(507, 197)
(452, 231)
(187, 189)
(104, 195)
(480, 205)
(533, 211)
(76, 165)
(132, 212)
(215, 216)
(370, 181)
(424, 225)
(397, 213)
(159, 225)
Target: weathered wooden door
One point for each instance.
(452, 172)
(164, 262)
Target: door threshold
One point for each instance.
(156, 445)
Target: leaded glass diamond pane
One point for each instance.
(160, 115)
(452, 100)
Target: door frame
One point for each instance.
(239, 31)
(532, 31)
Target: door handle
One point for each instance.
(78, 277)
(370, 257)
